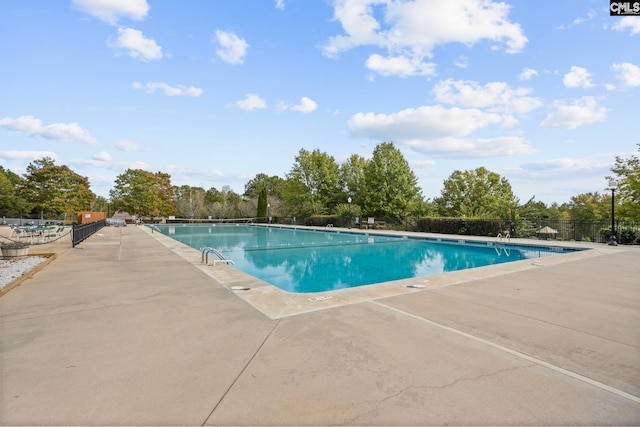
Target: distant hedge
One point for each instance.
(465, 227)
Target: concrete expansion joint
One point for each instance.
(537, 319)
(244, 368)
(516, 353)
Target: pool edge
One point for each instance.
(275, 303)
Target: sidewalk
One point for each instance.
(122, 330)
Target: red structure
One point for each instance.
(87, 217)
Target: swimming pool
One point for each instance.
(302, 260)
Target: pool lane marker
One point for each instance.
(537, 361)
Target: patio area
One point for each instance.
(130, 329)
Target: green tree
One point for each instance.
(143, 193)
(313, 186)
(533, 209)
(589, 207)
(275, 189)
(190, 202)
(165, 191)
(11, 203)
(627, 173)
(232, 204)
(262, 211)
(212, 196)
(100, 204)
(53, 189)
(477, 193)
(352, 177)
(274, 185)
(557, 211)
(390, 187)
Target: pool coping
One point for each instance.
(276, 303)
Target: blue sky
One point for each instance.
(214, 92)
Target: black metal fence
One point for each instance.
(81, 231)
(627, 232)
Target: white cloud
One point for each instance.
(421, 164)
(528, 73)
(565, 165)
(126, 145)
(438, 131)
(280, 4)
(31, 126)
(577, 77)
(231, 48)
(136, 45)
(628, 22)
(168, 89)
(590, 15)
(559, 164)
(495, 96)
(628, 73)
(251, 102)
(413, 29)
(473, 148)
(306, 105)
(110, 11)
(580, 112)
(461, 62)
(580, 20)
(26, 155)
(399, 66)
(423, 122)
(102, 156)
(193, 173)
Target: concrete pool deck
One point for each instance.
(127, 330)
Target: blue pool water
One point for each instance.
(301, 260)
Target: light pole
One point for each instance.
(349, 201)
(268, 214)
(612, 239)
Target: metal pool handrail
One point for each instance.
(205, 257)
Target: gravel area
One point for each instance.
(12, 268)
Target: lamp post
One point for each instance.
(612, 239)
(268, 214)
(349, 201)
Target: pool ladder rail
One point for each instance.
(506, 237)
(221, 260)
(501, 243)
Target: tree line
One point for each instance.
(383, 186)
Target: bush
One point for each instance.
(467, 227)
(627, 236)
(624, 236)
